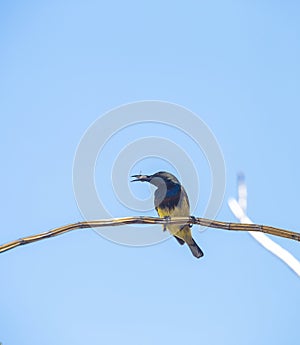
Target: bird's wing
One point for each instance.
(180, 241)
(184, 198)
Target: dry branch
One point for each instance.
(151, 220)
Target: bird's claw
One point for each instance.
(166, 218)
(194, 221)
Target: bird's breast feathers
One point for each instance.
(169, 208)
(183, 211)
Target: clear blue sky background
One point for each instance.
(63, 64)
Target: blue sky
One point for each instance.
(63, 65)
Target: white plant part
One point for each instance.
(239, 208)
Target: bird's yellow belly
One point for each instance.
(176, 212)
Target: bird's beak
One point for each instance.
(141, 178)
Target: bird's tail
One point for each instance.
(196, 251)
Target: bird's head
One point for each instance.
(159, 179)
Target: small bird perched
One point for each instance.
(171, 200)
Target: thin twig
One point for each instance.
(151, 220)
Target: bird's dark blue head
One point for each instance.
(168, 191)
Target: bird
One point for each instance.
(171, 200)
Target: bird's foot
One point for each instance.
(189, 224)
(167, 219)
(194, 221)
